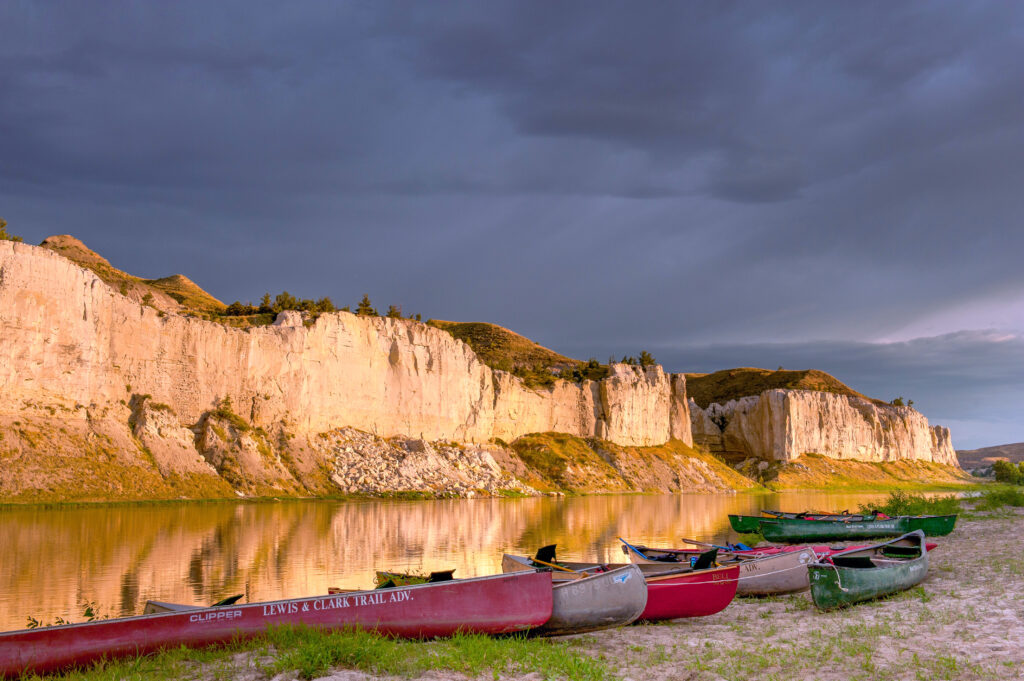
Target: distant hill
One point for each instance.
(732, 384)
(176, 293)
(977, 458)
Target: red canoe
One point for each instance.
(488, 605)
(673, 593)
(693, 594)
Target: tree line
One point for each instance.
(286, 301)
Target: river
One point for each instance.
(55, 560)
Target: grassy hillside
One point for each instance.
(732, 384)
(502, 349)
(975, 458)
(557, 461)
(176, 293)
(814, 471)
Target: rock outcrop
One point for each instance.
(73, 344)
(104, 395)
(783, 425)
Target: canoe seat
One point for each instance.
(853, 561)
(546, 553)
(230, 600)
(705, 560)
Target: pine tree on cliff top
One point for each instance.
(365, 308)
(4, 235)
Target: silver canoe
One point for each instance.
(778, 573)
(598, 600)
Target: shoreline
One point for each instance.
(961, 622)
(967, 486)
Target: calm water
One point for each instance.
(55, 560)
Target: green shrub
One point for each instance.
(1009, 473)
(903, 503)
(994, 499)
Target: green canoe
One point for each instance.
(801, 530)
(931, 525)
(863, 574)
(745, 523)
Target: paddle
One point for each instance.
(723, 549)
(553, 565)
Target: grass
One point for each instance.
(732, 384)
(996, 499)
(558, 461)
(751, 538)
(818, 472)
(176, 287)
(906, 503)
(311, 653)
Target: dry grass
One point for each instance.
(502, 349)
(732, 384)
(556, 461)
(173, 293)
(814, 471)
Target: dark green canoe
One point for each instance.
(931, 525)
(745, 523)
(863, 574)
(801, 530)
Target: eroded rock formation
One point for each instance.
(785, 424)
(73, 345)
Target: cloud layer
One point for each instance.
(665, 175)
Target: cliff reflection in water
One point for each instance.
(56, 560)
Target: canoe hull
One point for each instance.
(491, 605)
(932, 525)
(835, 586)
(779, 573)
(798, 530)
(673, 591)
(608, 599)
(696, 594)
(745, 524)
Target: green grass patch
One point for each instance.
(751, 538)
(1002, 497)
(311, 653)
(906, 503)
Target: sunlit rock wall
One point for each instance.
(784, 424)
(71, 343)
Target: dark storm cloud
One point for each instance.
(592, 175)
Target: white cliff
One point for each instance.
(785, 424)
(72, 343)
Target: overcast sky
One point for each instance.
(836, 186)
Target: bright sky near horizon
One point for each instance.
(811, 185)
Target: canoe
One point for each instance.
(672, 591)
(799, 527)
(600, 601)
(931, 525)
(866, 573)
(491, 605)
(745, 524)
(763, 573)
(800, 530)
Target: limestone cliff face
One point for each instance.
(72, 343)
(784, 424)
(69, 338)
